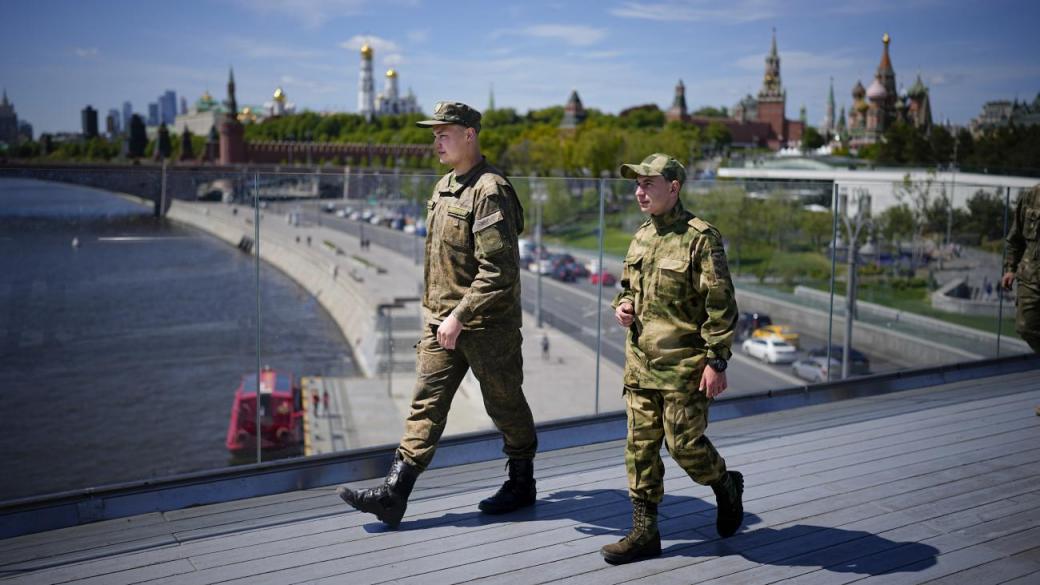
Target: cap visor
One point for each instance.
(431, 123)
(633, 171)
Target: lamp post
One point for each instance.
(538, 196)
(860, 198)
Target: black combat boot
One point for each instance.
(517, 492)
(729, 494)
(388, 501)
(643, 542)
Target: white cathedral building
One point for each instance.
(390, 101)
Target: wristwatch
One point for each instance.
(718, 364)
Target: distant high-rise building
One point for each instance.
(128, 111)
(168, 107)
(8, 122)
(116, 126)
(25, 130)
(89, 121)
(184, 106)
(153, 114)
(366, 85)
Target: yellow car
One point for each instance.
(778, 332)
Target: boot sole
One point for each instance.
(380, 514)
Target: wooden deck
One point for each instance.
(936, 485)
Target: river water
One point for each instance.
(119, 357)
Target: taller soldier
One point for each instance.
(678, 304)
(471, 320)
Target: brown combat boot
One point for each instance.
(517, 492)
(729, 494)
(644, 540)
(388, 501)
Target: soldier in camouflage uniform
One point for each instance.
(1023, 263)
(471, 320)
(678, 304)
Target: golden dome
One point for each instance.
(366, 51)
(206, 96)
(279, 95)
(391, 73)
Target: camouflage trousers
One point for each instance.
(1027, 320)
(679, 417)
(494, 355)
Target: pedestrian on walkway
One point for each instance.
(315, 399)
(471, 320)
(678, 304)
(1023, 264)
(545, 346)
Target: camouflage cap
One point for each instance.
(657, 164)
(452, 113)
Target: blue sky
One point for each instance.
(56, 56)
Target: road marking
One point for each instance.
(759, 365)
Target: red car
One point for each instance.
(608, 278)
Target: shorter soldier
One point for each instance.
(678, 304)
(1023, 263)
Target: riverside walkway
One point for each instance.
(939, 484)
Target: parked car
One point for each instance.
(778, 332)
(860, 364)
(770, 350)
(814, 369)
(748, 322)
(608, 278)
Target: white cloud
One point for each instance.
(378, 44)
(571, 34)
(393, 59)
(311, 13)
(737, 11)
(265, 50)
(85, 52)
(418, 36)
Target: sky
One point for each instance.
(57, 56)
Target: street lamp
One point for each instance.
(385, 310)
(538, 196)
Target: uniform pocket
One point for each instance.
(672, 277)
(456, 230)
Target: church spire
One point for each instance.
(232, 104)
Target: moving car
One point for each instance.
(777, 332)
(608, 278)
(748, 322)
(860, 364)
(814, 369)
(770, 350)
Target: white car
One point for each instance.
(770, 350)
(814, 369)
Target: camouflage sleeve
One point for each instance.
(626, 294)
(494, 235)
(1016, 242)
(720, 302)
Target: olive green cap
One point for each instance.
(657, 164)
(452, 113)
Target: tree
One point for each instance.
(718, 136)
(812, 139)
(138, 138)
(164, 146)
(712, 112)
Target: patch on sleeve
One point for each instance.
(486, 222)
(490, 241)
(718, 263)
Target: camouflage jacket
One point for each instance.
(676, 277)
(472, 259)
(1023, 239)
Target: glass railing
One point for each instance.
(133, 342)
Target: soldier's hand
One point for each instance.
(712, 383)
(1007, 280)
(448, 332)
(625, 313)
